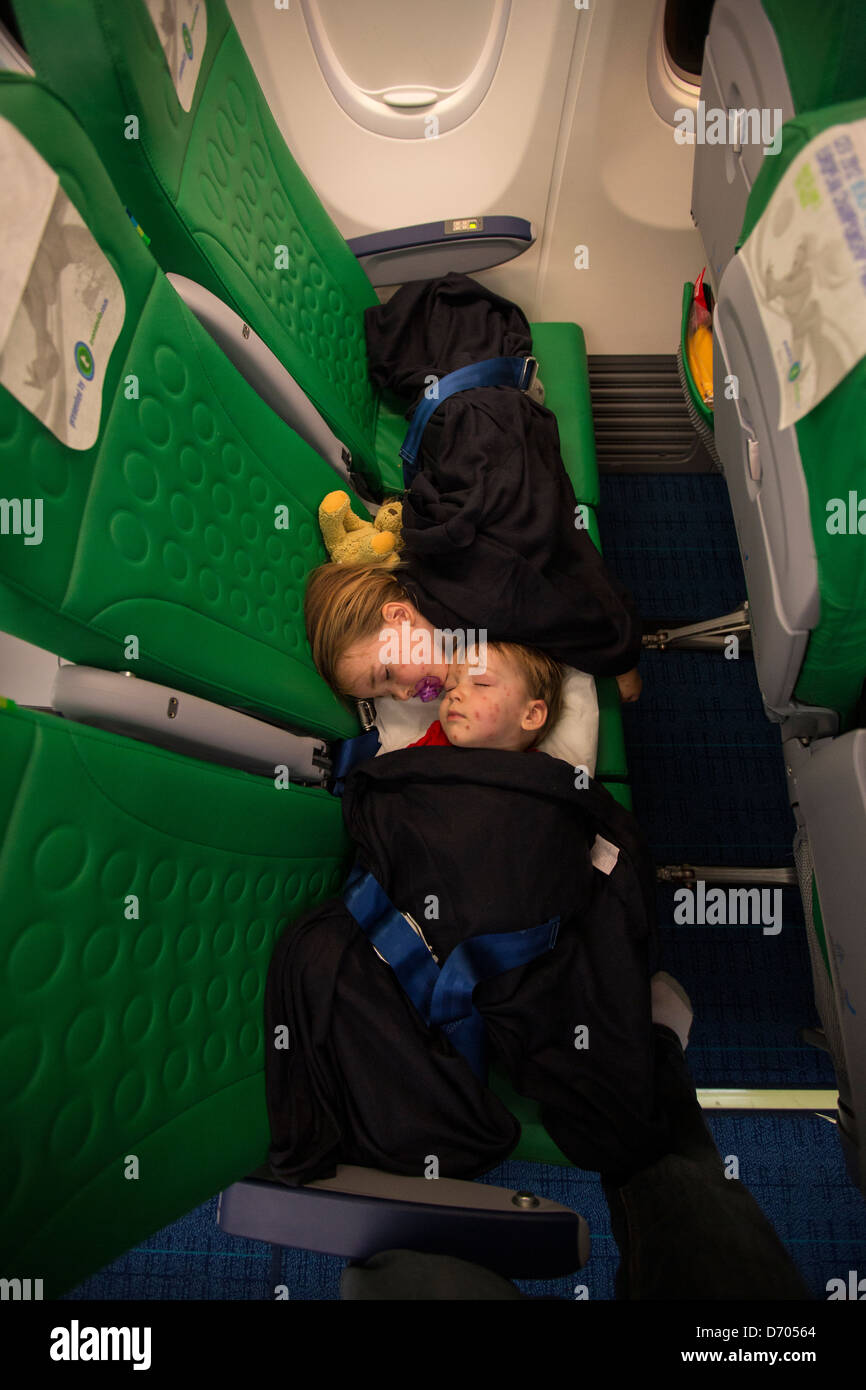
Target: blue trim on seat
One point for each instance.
(495, 371)
(443, 997)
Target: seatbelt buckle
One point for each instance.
(528, 374)
(418, 932)
(366, 714)
(407, 917)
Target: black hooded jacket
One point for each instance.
(489, 521)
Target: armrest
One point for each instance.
(362, 1211)
(183, 723)
(429, 249)
(263, 370)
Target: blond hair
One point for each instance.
(542, 678)
(342, 606)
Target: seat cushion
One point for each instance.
(611, 760)
(391, 427)
(560, 349)
(611, 764)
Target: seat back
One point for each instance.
(176, 545)
(186, 135)
(805, 572)
(142, 896)
(771, 59)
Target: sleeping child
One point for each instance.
(510, 701)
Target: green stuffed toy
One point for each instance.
(350, 540)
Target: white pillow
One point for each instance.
(574, 737)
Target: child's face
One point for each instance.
(490, 708)
(391, 661)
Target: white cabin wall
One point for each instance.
(566, 136)
(621, 188)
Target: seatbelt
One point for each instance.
(496, 371)
(443, 997)
(349, 752)
(388, 930)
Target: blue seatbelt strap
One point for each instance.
(481, 958)
(497, 371)
(443, 997)
(350, 752)
(392, 936)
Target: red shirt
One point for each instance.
(436, 737)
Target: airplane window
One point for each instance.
(396, 87)
(444, 60)
(687, 24)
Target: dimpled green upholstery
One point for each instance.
(165, 528)
(218, 192)
(823, 49)
(137, 1035)
(832, 444)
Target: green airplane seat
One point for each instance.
(798, 492)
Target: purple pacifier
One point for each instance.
(428, 689)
